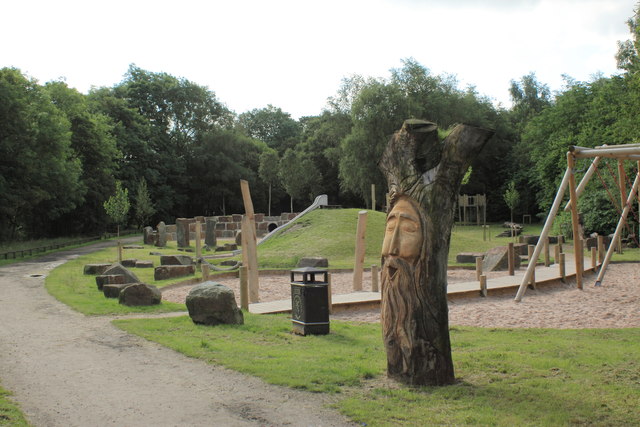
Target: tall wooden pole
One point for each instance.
(623, 196)
(545, 233)
(619, 228)
(577, 238)
(373, 197)
(360, 250)
(251, 249)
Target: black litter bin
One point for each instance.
(309, 301)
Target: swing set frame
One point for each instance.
(628, 152)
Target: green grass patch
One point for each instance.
(10, 414)
(506, 377)
(265, 347)
(70, 285)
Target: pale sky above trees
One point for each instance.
(293, 54)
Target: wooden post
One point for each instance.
(544, 233)
(594, 258)
(205, 271)
(601, 250)
(560, 242)
(547, 261)
(489, 231)
(561, 264)
(198, 242)
(373, 197)
(532, 260)
(374, 279)
(484, 233)
(621, 222)
(329, 293)
(119, 251)
(360, 250)
(577, 239)
(478, 267)
(623, 196)
(244, 288)
(511, 254)
(250, 240)
(556, 254)
(483, 286)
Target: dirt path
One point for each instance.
(67, 369)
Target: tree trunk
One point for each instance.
(423, 174)
(269, 208)
(291, 204)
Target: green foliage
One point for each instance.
(39, 172)
(507, 376)
(511, 197)
(144, 206)
(628, 55)
(10, 414)
(269, 170)
(299, 176)
(117, 206)
(562, 225)
(272, 126)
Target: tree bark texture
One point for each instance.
(424, 176)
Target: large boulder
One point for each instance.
(211, 303)
(176, 260)
(497, 259)
(95, 268)
(140, 294)
(316, 261)
(172, 271)
(210, 233)
(161, 238)
(118, 268)
(129, 263)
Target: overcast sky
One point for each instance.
(294, 54)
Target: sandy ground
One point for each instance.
(67, 369)
(616, 304)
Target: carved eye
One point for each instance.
(391, 224)
(409, 227)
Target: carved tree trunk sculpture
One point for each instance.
(424, 177)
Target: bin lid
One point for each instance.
(309, 270)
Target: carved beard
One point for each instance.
(399, 280)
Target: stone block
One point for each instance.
(259, 217)
(144, 264)
(224, 219)
(468, 257)
(521, 249)
(138, 294)
(176, 260)
(113, 290)
(118, 268)
(239, 238)
(109, 279)
(172, 271)
(211, 303)
(129, 263)
(236, 218)
(148, 236)
(95, 268)
(497, 259)
(529, 240)
(161, 238)
(210, 233)
(232, 226)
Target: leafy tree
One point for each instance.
(95, 147)
(628, 55)
(511, 197)
(39, 171)
(529, 98)
(117, 206)
(272, 126)
(144, 205)
(268, 170)
(298, 175)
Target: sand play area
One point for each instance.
(616, 304)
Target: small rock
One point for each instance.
(176, 260)
(113, 290)
(118, 268)
(110, 279)
(95, 268)
(172, 271)
(144, 264)
(129, 263)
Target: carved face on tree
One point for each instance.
(403, 235)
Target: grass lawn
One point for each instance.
(10, 414)
(506, 376)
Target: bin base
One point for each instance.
(302, 328)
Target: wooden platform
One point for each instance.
(544, 275)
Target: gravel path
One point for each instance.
(68, 369)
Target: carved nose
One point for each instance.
(394, 247)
